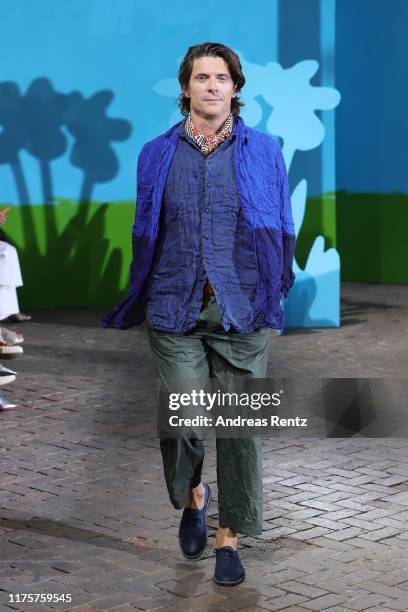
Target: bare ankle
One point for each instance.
(226, 537)
(195, 497)
(198, 491)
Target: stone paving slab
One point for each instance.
(83, 507)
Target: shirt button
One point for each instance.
(207, 210)
(208, 184)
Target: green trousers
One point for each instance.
(209, 351)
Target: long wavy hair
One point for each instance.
(210, 49)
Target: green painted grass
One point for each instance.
(78, 255)
(72, 255)
(370, 231)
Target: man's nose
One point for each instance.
(212, 84)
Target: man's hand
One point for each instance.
(3, 215)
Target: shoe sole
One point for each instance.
(198, 555)
(229, 583)
(5, 380)
(10, 351)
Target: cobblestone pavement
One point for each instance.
(83, 507)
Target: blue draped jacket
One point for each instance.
(262, 184)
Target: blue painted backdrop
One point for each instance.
(315, 80)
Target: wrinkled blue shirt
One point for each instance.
(244, 243)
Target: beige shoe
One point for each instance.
(8, 352)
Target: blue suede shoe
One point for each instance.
(193, 529)
(228, 568)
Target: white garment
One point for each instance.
(10, 279)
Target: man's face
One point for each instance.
(210, 88)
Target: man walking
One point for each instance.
(213, 243)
